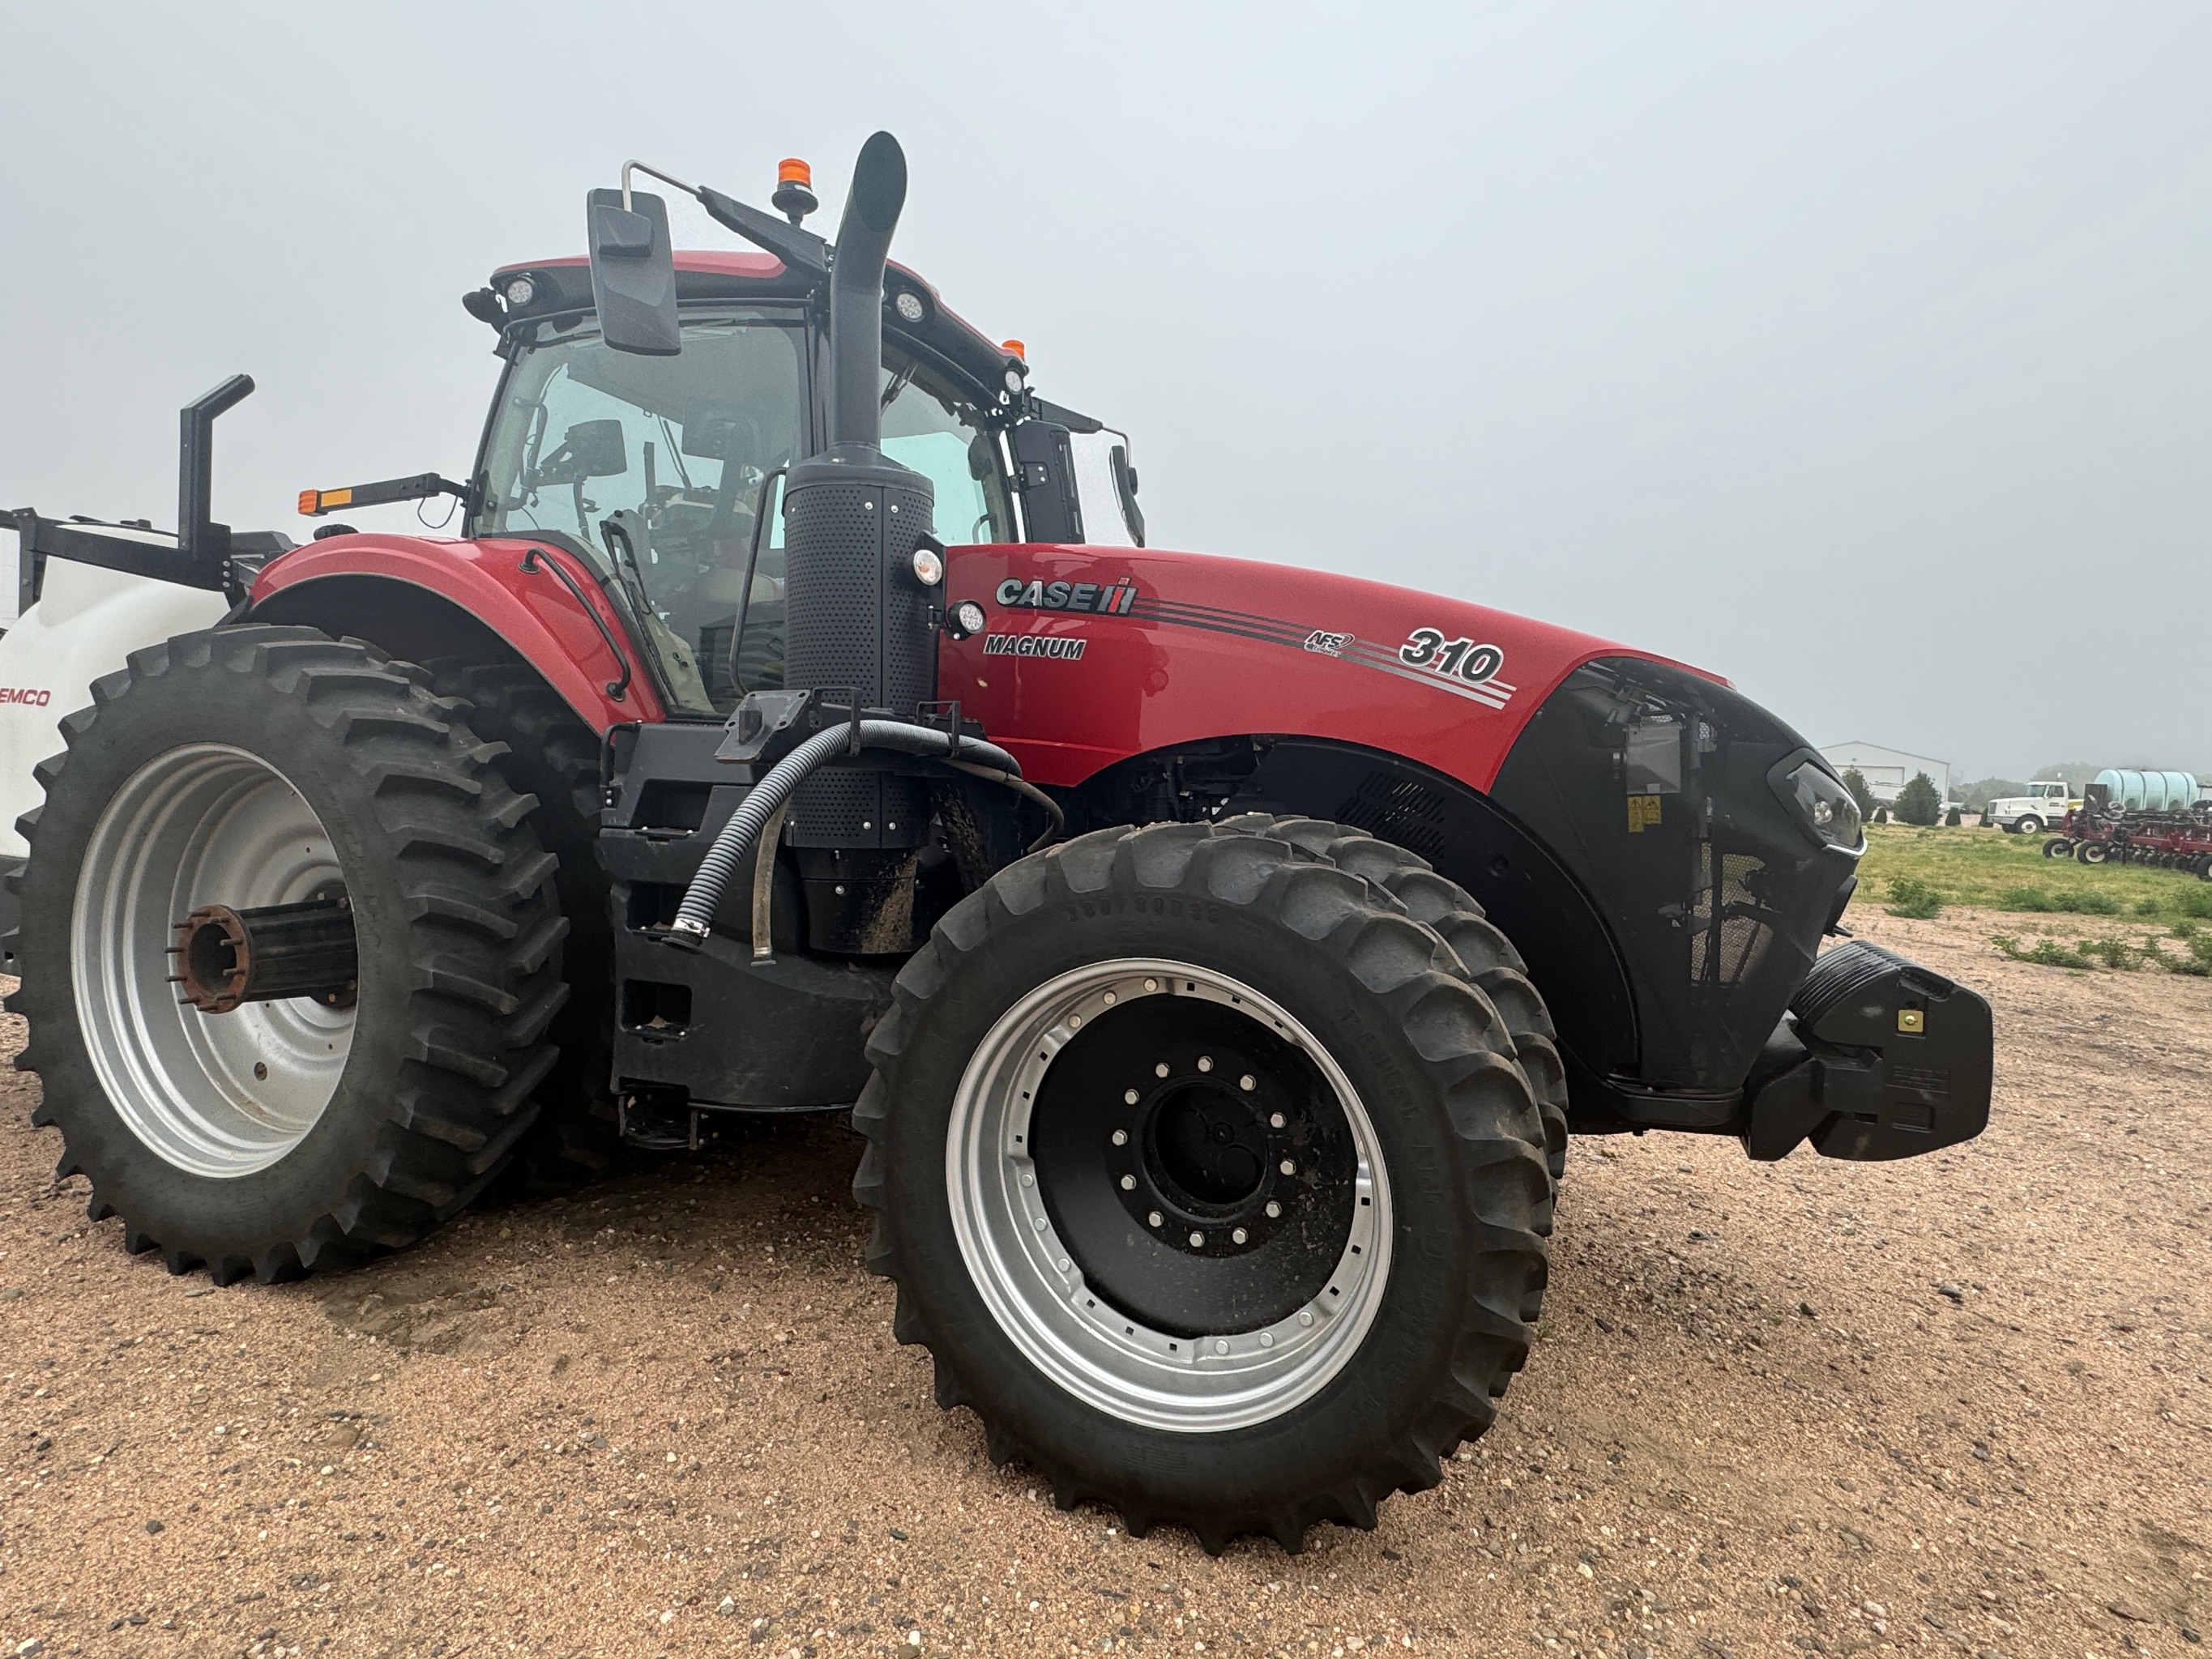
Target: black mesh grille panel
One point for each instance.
(855, 615)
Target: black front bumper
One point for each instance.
(1877, 1058)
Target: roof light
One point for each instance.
(908, 304)
(520, 291)
(794, 188)
(1015, 349)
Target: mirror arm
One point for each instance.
(800, 250)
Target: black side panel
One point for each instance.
(1650, 785)
(718, 1028)
(1046, 467)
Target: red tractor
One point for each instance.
(1215, 956)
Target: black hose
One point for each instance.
(694, 916)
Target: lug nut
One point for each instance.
(1160, 1070)
(1248, 1082)
(1206, 1062)
(1287, 1167)
(1129, 1096)
(1128, 1183)
(1274, 1209)
(1196, 1240)
(1151, 985)
(1274, 1120)
(1120, 1137)
(1154, 1218)
(1237, 1236)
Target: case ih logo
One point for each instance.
(24, 694)
(1102, 598)
(1034, 644)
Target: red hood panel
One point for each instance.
(1095, 653)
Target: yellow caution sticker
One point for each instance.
(1643, 811)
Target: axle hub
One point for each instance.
(227, 958)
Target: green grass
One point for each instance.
(1987, 870)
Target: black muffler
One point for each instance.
(859, 617)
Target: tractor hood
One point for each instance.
(1091, 654)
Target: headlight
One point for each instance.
(1824, 807)
(928, 568)
(966, 620)
(520, 291)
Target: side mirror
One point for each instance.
(632, 272)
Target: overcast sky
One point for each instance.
(1861, 354)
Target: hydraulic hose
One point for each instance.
(695, 917)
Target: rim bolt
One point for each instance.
(1206, 1062)
(1063, 1264)
(1120, 1137)
(1239, 1236)
(1304, 1317)
(1248, 1082)
(1109, 996)
(1220, 1345)
(1197, 1241)
(1128, 1183)
(1274, 1209)
(1275, 1120)
(1154, 1218)
(1267, 1338)
(1029, 1180)
(1287, 1167)
(1160, 1070)
(1040, 1223)
(1074, 1020)
(1129, 1096)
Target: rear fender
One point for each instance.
(417, 598)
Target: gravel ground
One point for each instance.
(1958, 1403)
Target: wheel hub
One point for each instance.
(1168, 1193)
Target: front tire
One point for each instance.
(256, 766)
(2030, 825)
(1211, 1181)
(2058, 847)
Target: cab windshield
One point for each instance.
(658, 469)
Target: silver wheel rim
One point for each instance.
(1038, 1293)
(218, 1095)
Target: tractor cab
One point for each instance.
(664, 473)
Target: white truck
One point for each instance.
(2047, 802)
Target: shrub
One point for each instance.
(1914, 899)
(2092, 903)
(1862, 792)
(2047, 952)
(1918, 802)
(1881, 815)
(1951, 819)
(2147, 907)
(2194, 901)
(2113, 952)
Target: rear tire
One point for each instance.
(2092, 852)
(324, 761)
(555, 756)
(2058, 847)
(1360, 1332)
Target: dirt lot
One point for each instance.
(1955, 1404)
